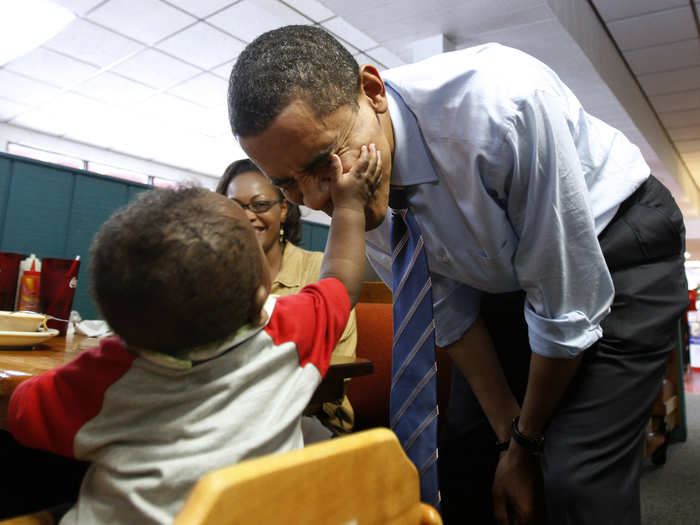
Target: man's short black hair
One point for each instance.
(173, 270)
(285, 64)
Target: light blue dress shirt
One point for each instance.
(511, 182)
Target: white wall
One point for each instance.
(26, 137)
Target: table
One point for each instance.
(17, 365)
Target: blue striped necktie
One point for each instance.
(413, 405)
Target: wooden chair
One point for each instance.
(369, 394)
(362, 478)
(45, 517)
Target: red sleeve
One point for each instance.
(47, 411)
(314, 319)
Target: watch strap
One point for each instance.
(534, 445)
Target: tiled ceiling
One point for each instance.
(660, 40)
(149, 78)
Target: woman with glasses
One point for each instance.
(277, 223)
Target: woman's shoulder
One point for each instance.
(294, 253)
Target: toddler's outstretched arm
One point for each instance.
(351, 192)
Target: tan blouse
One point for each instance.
(300, 267)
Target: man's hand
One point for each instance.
(517, 488)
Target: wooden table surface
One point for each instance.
(17, 365)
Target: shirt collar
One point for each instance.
(189, 357)
(411, 162)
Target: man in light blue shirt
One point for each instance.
(556, 259)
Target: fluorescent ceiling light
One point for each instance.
(27, 24)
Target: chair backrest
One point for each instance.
(369, 394)
(360, 478)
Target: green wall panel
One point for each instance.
(133, 191)
(5, 177)
(93, 202)
(319, 234)
(54, 211)
(313, 236)
(38, 210)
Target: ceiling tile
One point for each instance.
(349, 33)
(23, 90)
(52, 68)
(224, 70)
(316, 11)
(201, 8)
(250, 18)
(63, 112)
(41, 121)
(351, 49)
(79, 7)
(214, 123)
(692, 159)
(206, 90)
(664, 58)
(671, 81)
(688, 146)
(111, 126)
(156, 69)
(114, 89)
(677, 101)
(9, 109)
(147, 21)
(363, 59)
(615, 9)
(689, 133)
(679, 119)
(79, 40)
(385, 57)
(170, 111)
(654, 29)
(202, 45)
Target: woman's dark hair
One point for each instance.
(292, 225)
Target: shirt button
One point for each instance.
(443, 256)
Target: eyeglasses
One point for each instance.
(258, 206)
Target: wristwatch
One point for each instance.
(502, 446)
(534, 445)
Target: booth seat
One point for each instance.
(369, 394)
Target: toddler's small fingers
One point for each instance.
(362, 162)
(372, 161)
(336, 165)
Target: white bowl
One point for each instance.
(21, 321)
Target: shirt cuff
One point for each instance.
(563, 337)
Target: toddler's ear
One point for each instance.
(260, 317)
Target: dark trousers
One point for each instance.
(593, 443)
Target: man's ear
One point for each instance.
(372, 87)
